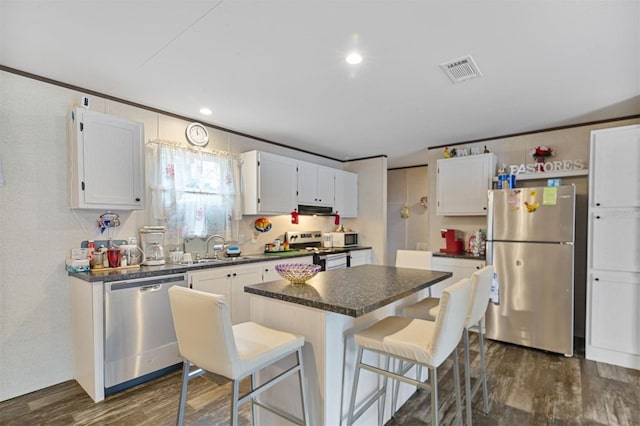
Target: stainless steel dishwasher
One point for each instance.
(139, 338)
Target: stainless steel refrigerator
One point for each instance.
(530, 242)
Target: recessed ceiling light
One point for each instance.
(205, 111)
(354, 58)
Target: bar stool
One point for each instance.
(428, 309)
(417, 259)
(207, 339)
(418, 342)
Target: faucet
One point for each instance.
(208, 241)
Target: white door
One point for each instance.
(276, 184)
(615, 240)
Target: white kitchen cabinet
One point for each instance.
(613, 256)
(106, 162)
(615, 240)
(460, 268)
(615, 167)
(614, 302)
(462, 185)
(360, 257)
(346, 194)
(269, 183)
(229, 281)
(315, 184)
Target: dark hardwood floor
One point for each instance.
(526, 387)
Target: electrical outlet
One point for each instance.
(422, 246)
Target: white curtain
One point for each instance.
(193, 193)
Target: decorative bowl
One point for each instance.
(297, 273)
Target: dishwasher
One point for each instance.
(139, 338)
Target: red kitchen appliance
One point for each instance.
(454, 243)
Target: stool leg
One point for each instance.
(254, 421)
(467, 376)
(354, 388)
(456, 377)
(396, 389)
(303, 394)
(384, 393)
(234, 402)
(434, 397)
(483, 367)
(183, 392)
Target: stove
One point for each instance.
(327, 257)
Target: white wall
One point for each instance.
(37, 228)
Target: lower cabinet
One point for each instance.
(613, 302)
(460, 268)
(360, 257)
(231, 280)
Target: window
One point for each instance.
(193, 193)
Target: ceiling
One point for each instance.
(276, 69)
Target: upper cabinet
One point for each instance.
(269, 183)
(106, 162)
(616, 170)
(315, 184)
(346, 194)
(463, 184)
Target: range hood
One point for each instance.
(306, 210)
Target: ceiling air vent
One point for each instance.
(461, 69)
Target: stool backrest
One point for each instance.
(417, 259)
(480, 293)
(203, 328)
(450, 321)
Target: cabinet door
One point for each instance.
(615, 167)
(214, 280)
(325, 192)
(460, 268)
(307, 182)
(240, 301)
(276, 184)
(346, 194)
(463, 184)
(615, 239)
(107, 162)
(360, 257)
(613, 312)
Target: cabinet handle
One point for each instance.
(597, 217)
(484, 208)
(477, 267)
(598, 204)
(597, 279)
(138, 199)
(228, 275)
(234, 274)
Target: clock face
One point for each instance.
(197, 134)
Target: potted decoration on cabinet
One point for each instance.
(540, 153)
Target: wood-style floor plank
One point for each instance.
(526, 387)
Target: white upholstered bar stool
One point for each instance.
(480, 293)
(417, 259)
(416, 341)
(207, 339)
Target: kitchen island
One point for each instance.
(328, 311)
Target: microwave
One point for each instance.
(344, 239)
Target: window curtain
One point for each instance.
(193, 193)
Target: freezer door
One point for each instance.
(532, 214)
(536, 296)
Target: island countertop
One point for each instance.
(352, 291)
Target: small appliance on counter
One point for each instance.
(454, 241)
(152, 241)
(344, 239)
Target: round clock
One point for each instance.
(197, 134)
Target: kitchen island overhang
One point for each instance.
(328, 310)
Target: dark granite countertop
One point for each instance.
(463, 255)
(169, 268)
(351, 291)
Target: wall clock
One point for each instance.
(197, 134)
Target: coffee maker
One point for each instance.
(152, 244)
(453, 241)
